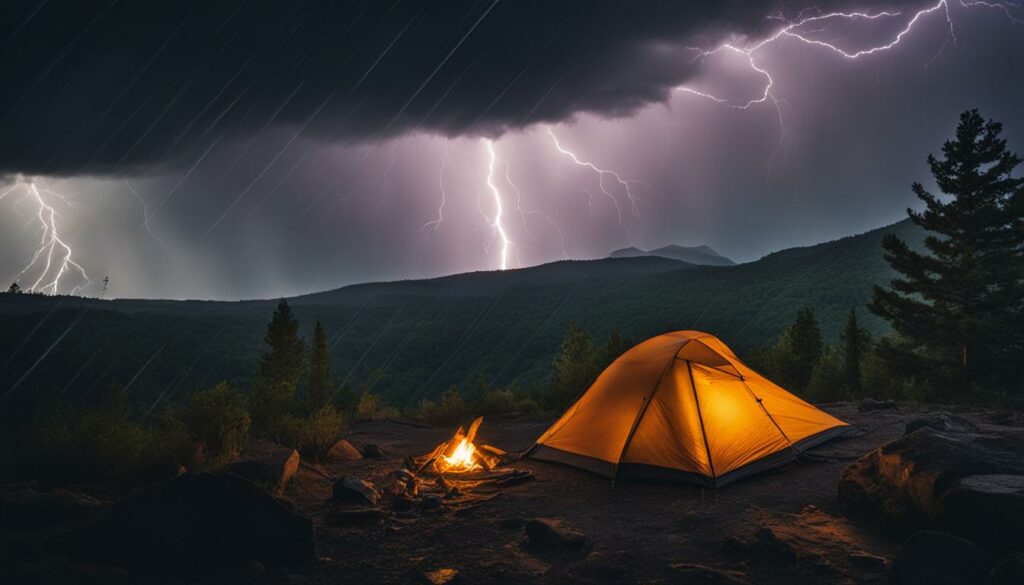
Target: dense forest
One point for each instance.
(413, 339)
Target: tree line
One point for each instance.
(956, 308)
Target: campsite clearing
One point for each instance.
(779, 526)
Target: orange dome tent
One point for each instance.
(682, 406)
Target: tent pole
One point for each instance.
(760, 403)
(707, 447)
(640, 415)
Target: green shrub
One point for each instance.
(217, 421)
(313, 435)
(504, 401)
(451, 409)
(827, 382)
(370, 407)
(104, 444)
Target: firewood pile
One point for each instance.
(456, 477)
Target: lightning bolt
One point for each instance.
(52, 259)
(146, 214)
(801, 29)
(497, 227)
(435, 223)
(602, 173)
(523, 212)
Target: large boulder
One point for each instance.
(929, 558)
(1008, 571)
(268, 464)
(988, 509)
(342, 450)
(351, 489)
(898, 485)
(196, 518)
(24, 507)
(942, 421)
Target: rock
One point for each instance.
(929, 557)
(267, 463)
(695, 573)
(866, 561)
(1007, 418)
(510, 523)
(1008, 571)
(196, 518)
(353, 489)
(25, 507)
(942, 421)
(402, 503)
(870, 404)
(898, 485)
(343, 451)
(253, 571)
(549, 535)
(769, 545)
(446, 576)
(987, 509)
(431, 502)
(737, 547)
(346, 518)
(372, 451)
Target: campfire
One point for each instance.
(457, 476)
(462, 459)
(461, 455)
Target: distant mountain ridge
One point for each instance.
(412, 339)
(700, 255)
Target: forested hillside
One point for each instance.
(413, 339)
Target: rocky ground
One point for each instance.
(788, 525)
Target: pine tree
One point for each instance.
(614, 347)
(279, 370)
(14, 289)
(956, 309)
(321, 385)
(575, 366)
(853, 343)
(797, 351)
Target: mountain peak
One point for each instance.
(702, 255)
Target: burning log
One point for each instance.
(457, 476)
(460, 455)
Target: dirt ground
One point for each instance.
(643, 533)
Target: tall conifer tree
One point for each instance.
(321, 385)
(956, 308)
(280, 368)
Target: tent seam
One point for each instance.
(700, 417)
(643, 411)
(760, 403)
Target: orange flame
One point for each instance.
(462, 458)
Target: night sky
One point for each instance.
(254, 149)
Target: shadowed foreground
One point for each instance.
(565, 525)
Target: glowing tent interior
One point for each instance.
(682, 407)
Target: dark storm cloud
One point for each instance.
(123, 87)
